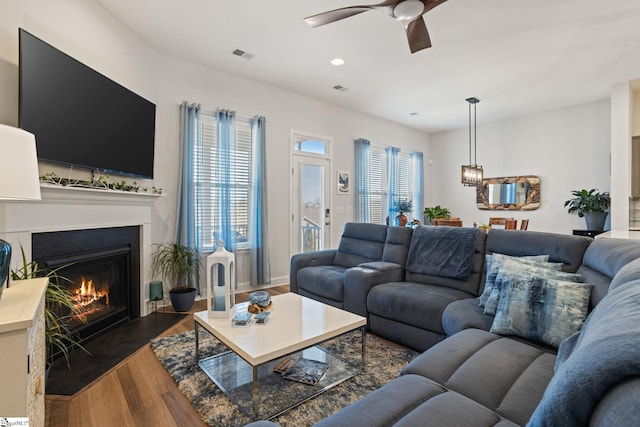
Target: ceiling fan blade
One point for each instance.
(417, 35)
(335, 15)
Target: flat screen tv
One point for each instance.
(79, 116)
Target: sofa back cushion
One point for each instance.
(603, 260)
(396, 246)
(471, 284)
(360, 243)
(563, 248)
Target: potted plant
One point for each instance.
(59, 308)
(590, 204)
(402, 206)
(436, 212)
(176, 263)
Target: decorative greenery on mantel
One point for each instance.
(99, 183)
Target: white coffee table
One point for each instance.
(295, 327)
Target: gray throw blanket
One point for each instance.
(603, 354)
(442, 251)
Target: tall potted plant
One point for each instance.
(590, 204)
(436, 212)
(177, 263)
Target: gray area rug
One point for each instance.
(176, 353)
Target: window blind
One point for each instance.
(210, 183)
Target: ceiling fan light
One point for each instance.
(408, 9)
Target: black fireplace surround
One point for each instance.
(103, 266)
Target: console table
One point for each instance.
(23, 350)
(587, 233)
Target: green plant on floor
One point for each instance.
(176, 263)
(60, 308)
(437, 212)
(588, 201)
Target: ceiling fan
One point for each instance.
(409, 12)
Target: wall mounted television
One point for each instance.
(80, 117)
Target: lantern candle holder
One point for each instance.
(220, 279)
(155, 294)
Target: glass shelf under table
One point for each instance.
(261, 393)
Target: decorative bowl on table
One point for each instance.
(259, 301)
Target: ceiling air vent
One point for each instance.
(340, 88)
(242, 54)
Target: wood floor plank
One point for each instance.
(137, 392)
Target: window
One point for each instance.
(210, 182)
(377, 193)
(377, 186)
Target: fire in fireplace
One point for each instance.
(99, 281)
(102, 268)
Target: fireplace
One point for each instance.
(103, 268)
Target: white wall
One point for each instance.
(85, 31)
(567, 148)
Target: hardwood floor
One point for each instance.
(136, 392)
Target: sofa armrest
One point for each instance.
(358, 281)
(308, 259)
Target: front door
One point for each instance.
(311, 214)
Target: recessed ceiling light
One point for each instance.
(337, 61)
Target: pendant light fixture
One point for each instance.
(472, 173)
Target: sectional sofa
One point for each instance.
(531, 361)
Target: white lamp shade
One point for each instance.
(19, 167)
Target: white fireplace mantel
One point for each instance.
(76, 208)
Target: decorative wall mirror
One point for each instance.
(511, 193)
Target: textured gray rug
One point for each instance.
(176, 353)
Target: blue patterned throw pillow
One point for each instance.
(494, 262)
(541, 309)
(517, 268)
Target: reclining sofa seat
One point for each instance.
(409, 312)
(334, 277)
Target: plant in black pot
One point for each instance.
(590, 204)
(177, 263)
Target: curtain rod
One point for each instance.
(213, 111)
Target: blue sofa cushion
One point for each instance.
(323, 280)
(414, 304)
(494, 263)
(605, 352)
(442, 251)
(541, 309)
(513, 269)
(360, 243)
